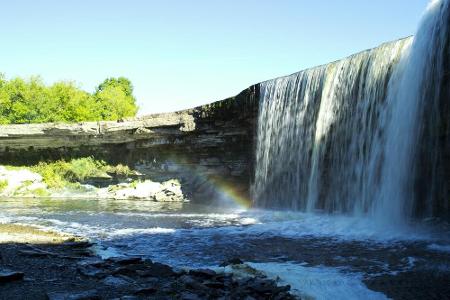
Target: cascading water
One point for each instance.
(316, 129)
(341, 138)
(414, 88)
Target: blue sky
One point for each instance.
(181, 53)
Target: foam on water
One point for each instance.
(439, 248)
(319, 282)
(134, 231)
(340, 227)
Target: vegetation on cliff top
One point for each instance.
(31, 101)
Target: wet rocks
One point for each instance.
(115, 281)
(152, 279)
(32, 253)
(61, 275)
(261, 288)
(192, 283)
(86, 295)
(91, 271)
(189, 296)
(125, 260)
(160, 270)
(203, 273)
(133, 267)
(7, 275)
(146, 291)
(232, 261)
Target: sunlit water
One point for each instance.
(314, 253)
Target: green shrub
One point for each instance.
(53, 173)
(63, 173)
(82, 168)
(120, 170)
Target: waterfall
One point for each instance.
(343, 137)
(415, 86)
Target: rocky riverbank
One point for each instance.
(35, 264)
(24, 183)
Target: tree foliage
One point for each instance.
(116, 94)
(31, 101)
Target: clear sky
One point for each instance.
(181, 53)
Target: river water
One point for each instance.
(321, 256)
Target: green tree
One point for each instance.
(115, 96)
(121, 82)
(5, 102)
(31, 101)
(70, 104)
(25, 99)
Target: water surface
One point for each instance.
(316, 254)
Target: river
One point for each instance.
(322, 256)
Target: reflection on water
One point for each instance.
(100, 219)
(57, 205)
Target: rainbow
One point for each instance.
(226, 190)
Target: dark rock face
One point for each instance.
(204, 147)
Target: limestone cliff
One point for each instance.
(204, 147)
